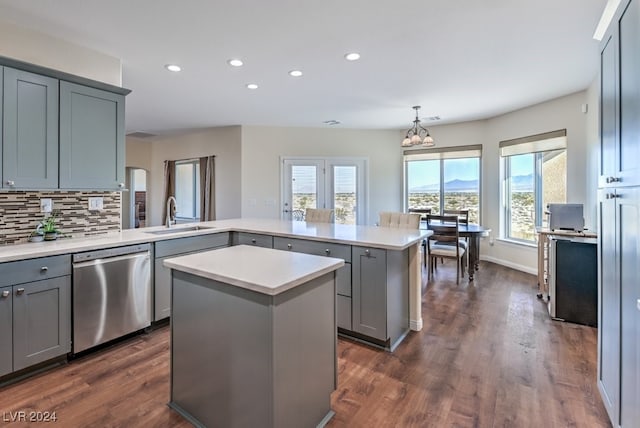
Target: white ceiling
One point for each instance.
(461, 60)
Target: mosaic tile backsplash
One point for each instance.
(20, 214)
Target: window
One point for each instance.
(442, 179)
(535, 170)
(188, 190)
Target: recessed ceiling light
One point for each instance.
(173, 67)
(295, 73)
(252, 86)
(331, 122)
(353, 56)
(433, 118)
(235, 62)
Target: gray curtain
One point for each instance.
(169, 185)
(207, 189)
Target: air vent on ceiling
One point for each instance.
(140, 135)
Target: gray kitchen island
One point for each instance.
(253, 337)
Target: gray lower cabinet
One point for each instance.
(343, 275)
(173, 248)
(92, 142)
(380, 295)
(30, 131)
(6, 330)
(35, 302)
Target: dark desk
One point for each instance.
(474, 232)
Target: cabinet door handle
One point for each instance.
(5, 294)
(44, 269)
(11, 183)
(121, 185)
(253, 241)
(327, 251)
(289, 246)
(367, 252)
(20, 291)
(612, 195)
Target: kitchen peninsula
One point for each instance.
(253, 338)
(378, 288)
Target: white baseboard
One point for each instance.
(415, 325)
(522, 268)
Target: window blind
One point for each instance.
(456, 152)
(555, 140)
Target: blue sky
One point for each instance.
(422, 173)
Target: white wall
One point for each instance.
(224, 143)
(560, 113)
(38, 48)
(263, 146)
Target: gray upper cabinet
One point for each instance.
(30, 131)
(92, 141)
(608, 110)
(6, 330)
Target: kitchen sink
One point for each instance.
(178, 229)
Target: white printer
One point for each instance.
(566, 217)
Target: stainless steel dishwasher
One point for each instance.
(111, 294)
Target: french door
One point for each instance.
(336, 183)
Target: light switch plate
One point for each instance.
(638, 304)
(46, 205)
(95, 203)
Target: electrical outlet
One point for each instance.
(46, 205)
(95, 203)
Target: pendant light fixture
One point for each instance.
(417, 135)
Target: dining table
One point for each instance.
(473, 232)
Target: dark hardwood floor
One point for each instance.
(488, 356)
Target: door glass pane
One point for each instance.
(196, 188)
(344, 194)
(184, 190)
(521, 197)
(462, 186)
(304, 187)
(423, 184)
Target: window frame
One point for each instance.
(196, 184)
(537, 145)
(442, 154)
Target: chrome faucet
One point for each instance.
(171, 212)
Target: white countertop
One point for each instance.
(370, 236)
(259, 269)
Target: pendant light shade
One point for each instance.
(417, 135)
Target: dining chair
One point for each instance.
(423, 217)
(318, 215)
(445, 242)
(297, 215)
(399, 220)
(463, 218)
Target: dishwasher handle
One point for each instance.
(110, 252)
(112, 259)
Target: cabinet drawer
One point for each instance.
(172, 247)
(22, 271)
(317, 248)
(243, 238)
(343, 312)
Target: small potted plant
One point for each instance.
(50, 227)
(37, 235)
